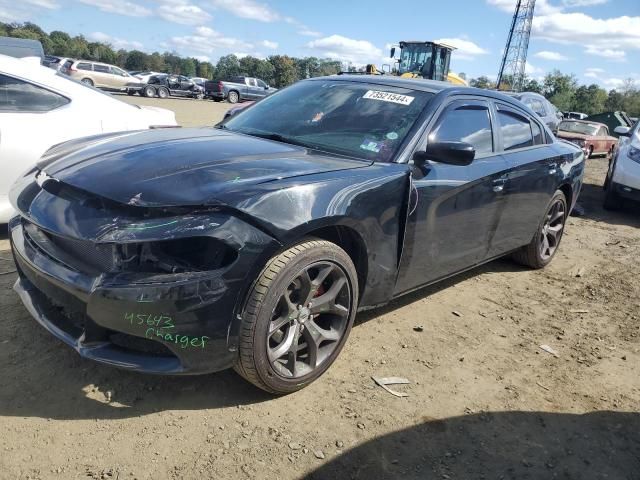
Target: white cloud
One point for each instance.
(269, 44)
(611, 54)
(205, 40)
(121, 7)
(183, 13)
(583, 3)
(49, 4)
(115, 42)
(248, 9)
(466, 49)
(347, 49)
(309, 33)
(531, 70)
(543, 7)
(554, 56)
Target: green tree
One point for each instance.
(60, 43)
(205, 70)
(482, 82)
(156, 62)
(188, 67)
(228, 66)
(614, 102)
(284, 70)
(136, 60)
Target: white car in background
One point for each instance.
(623, 177)
(40, 107)
(145, 76)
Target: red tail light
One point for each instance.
(220, 87)
(73, 68)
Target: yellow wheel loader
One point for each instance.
(428, 60)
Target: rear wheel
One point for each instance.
(149, 91)
(163, 92)
(298, 317)
(611, 199)
(233, 97)
(545, 243)
(87, 81)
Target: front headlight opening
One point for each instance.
(195, 254)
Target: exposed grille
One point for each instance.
(81, 255)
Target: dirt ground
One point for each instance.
(485, 401)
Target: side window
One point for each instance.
(465, 123)
(101, 68)
(84, 66)
(19, 96)
(261, 84)
(516, 130)
(117, 71)
(603, 132)
(538, 138)
(252, 82)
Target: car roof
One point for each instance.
(432, 86)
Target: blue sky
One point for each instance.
(597, 40)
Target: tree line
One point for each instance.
(281, 70)
(277, 70)
(568, 96)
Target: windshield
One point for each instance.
(359, 120)
(416, 58)
(578, 127)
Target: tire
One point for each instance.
(233, 97)
(217, 100)
(131, 93)
(611, 200)
(163, 92)
(539, 253)
(148, 91)
(274, 326)
(87, 81)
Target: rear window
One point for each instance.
(84, 66)
(20, 96)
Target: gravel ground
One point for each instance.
(485, 401)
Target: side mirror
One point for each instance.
(622, 131)
(393, 52)
(450, 153)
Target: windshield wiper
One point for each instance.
(278, 138)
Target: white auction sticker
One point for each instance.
(388, 97)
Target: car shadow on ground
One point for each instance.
(591, 199)
(505, 445)
(41, 377)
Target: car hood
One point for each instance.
(572, 135)
(180, 167)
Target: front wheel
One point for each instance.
(545, 243)
(297, 316)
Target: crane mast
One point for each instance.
(514, 60)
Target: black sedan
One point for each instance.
(254, 244)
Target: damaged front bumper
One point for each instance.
(163, 323)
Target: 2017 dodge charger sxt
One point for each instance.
(254, 244)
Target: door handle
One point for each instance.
(553, 168)
(499, 183)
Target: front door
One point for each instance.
(454, 210)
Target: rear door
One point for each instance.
(454, 209)
(534, 172)
(102, 76)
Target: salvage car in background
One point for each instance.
(623, 176)
(40, 107)
(238, 89)
(101, 75)
(592, 137)
(612, 120)
(253, 245)
(165, 86)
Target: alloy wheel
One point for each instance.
(552, 229)
(309, 320)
